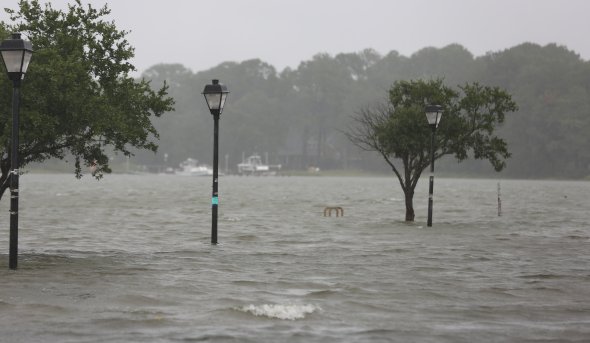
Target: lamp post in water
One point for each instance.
(433, 115)
(16, 54)
(215, 95)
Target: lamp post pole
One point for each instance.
(215, 95)
(16, 54)
(433, 115)
(215, 195)
(431, 186)
(13, 249)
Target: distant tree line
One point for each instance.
(297, 117)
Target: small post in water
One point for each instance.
(499, 202)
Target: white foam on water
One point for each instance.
(281, 311)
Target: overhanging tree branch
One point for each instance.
(79, 98)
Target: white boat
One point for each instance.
(190, 167)
(253, 166)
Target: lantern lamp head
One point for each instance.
(433, 114)
(215, 95)
(16, 54)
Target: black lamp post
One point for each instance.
(433, 114)
(16, 54)
(215, 95)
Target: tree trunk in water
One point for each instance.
(409, 205)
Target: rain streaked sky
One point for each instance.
(201, 34)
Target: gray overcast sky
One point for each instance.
(201, 34)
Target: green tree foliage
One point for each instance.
(399, 132)
(78, 98)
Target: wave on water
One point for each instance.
(280, 311)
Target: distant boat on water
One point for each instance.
(253, 166)
(191, 167)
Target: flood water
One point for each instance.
(129, 259)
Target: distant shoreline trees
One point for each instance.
(298, 115)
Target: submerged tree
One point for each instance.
(398, 129)
(78, 97)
